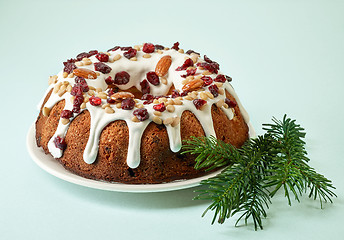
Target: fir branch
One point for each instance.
(257, 171)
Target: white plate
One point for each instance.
(52, 166)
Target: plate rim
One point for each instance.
(53, 167)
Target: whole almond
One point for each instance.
(193, 85)
(163, 65)
(119, 96)
(85, 73)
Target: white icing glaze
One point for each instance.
(137, 71)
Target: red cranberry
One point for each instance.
(159, 47)
(188, 63)
(147, 97)
(220, 78)
(153, 78)
(175, 93)
(183, 94)
(130, 53)
(82, 55)
(148, 48)
(211, 67)
(92, 52)
(102, 67)
(145, 88)
(60, 143)
(66, 114)
(191, 51)
(128, 104)
(80, 81)
(122, 78)
(77, 90)
(141, 114)
(214, 90)
(148, 102)
(230, 103)
(125, 48)
(69, 65)
(176, 46)
(95, 101)
(102, 57)
(109, 80)
(159, 107)
(78, 100)
(207, 80)
(199, 103)
(114, 48)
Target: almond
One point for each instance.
(85, 73)
(119, 96)
(163, 65)
(193, 85)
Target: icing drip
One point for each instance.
(137, 70)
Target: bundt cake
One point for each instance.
(122, 115)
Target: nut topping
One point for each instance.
(119, 96)
(85, 73)
(193, 85)
(163, 65)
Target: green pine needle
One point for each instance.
(254, 173)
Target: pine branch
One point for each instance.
(272, 161)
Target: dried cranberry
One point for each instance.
(82, 55)
(114, 48)
(188, 63)
(102, 67)
(191, 51)
(109, 80)
(153, 78)
(148, 47)
(77, 90)
(128, 104)
(148, 101)
(141, 114)
(189, 72)
(211, 67)
(110, 92)
(60, 143)
(147, 97)
(214, 90)
(175, 93)
(126, 48)
(159, 47)
(130, 53)
(102, 57)
(92, 52)
(176, 46)
(122, 78)
(145, 88)
(230, 103)
(207, 80)
(78, 100)
(95, 101)
(159, 107)
(80, 81)
(228, 78)
(69, 65)
(110, 100)
(220, 78)
(66, 114)
(183, 94)
(199, 103)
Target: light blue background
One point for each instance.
(284, 57)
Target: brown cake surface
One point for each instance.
(183, 107)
